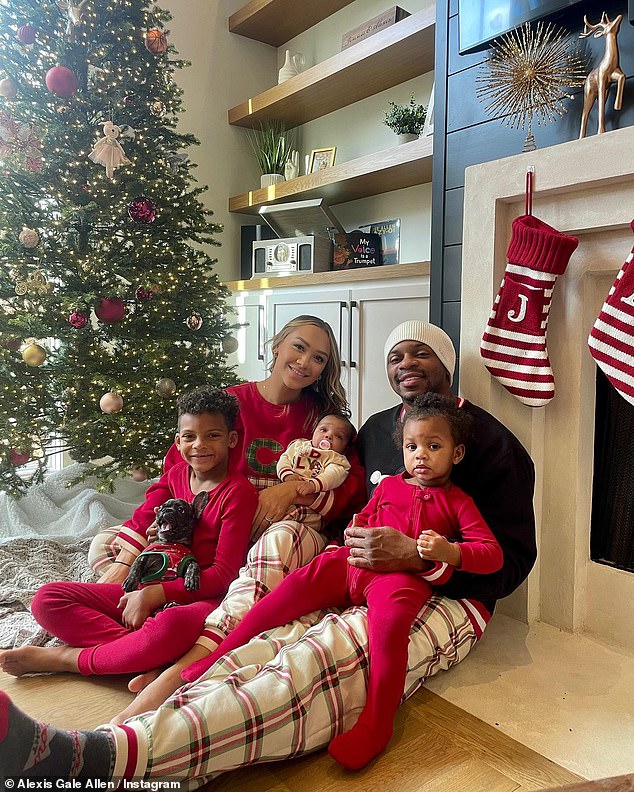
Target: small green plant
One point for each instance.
(272, 145)
(406, 119)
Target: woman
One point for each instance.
(303, 383)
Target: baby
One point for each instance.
(319, 463)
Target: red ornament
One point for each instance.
(142, 210)
(78, 320)
(8, 88)
(26, 34)
(156, 41)
(110, 309)
(143, 294)
(12, 344)
(19, 457)
(62, 81)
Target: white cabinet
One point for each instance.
(362, 315)
(248, 315)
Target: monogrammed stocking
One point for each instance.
(514, 342)
(611, 339)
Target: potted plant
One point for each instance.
(272, 147)
(406, 120)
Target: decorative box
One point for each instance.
(372, 26)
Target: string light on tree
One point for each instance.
(96, 307)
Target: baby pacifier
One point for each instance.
(325, 445)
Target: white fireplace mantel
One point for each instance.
(584, 187)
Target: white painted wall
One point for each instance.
(228, 69)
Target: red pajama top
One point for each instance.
(448, 511)
(221, 534)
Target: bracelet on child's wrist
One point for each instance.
(125, 563)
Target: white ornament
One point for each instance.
(108, 151)
(291, 169)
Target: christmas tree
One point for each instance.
(110, 308)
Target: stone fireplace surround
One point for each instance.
(586, 188)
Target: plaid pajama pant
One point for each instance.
(287, 692)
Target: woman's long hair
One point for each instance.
(331, 397)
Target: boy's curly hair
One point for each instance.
(209, 400)
(429, 405)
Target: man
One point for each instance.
(291, 691)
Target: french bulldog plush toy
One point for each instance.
(170, 556)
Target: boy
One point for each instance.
(109, 632)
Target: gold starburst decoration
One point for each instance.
(527, 73)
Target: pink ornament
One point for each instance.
(8, 88)
(111, 402)
(138, 474)
(19, 457)
(142, 210)
(26, 34)
(110, 309)
(62, 81)
(78, 320)
(143, 294)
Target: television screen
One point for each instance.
(483, 20)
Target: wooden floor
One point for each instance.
(436, 746)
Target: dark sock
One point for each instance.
(358, 746)
(32, 749)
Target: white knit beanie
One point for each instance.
(424, 332)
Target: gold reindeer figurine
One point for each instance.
(597, 83)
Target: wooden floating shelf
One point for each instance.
(388, 271)
(277, 21)
(388, 58)
(383, 171)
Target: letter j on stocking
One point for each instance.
(514, 343)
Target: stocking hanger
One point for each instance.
(528, 190)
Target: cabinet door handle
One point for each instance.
(342, 306)
(353, 364)
(260, 325)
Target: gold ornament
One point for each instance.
(528, 71)
(166, 387)
(34, 282)
(34, 354)
(157, 108)
(111, 402)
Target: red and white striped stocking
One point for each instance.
(514, 342)
(611, 339)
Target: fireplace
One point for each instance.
(584, 187)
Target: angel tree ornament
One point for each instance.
(74, 15)
(20, 145)
(108, 151)
(527, 72)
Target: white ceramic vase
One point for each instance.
(288, 70)
(267, 179)
(407, 137)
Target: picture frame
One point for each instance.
(321, 158)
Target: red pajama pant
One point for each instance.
(394, 600)
(87, 615)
